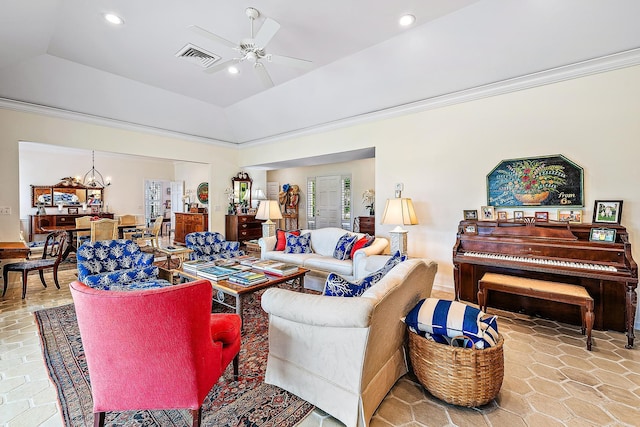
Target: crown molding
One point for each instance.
(576, 70)
(27, 107)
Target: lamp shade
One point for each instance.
(259, 195)
(269, 209)
(399, 211)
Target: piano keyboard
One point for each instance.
(541, 261)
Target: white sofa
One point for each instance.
(323, 242)
(343, 355)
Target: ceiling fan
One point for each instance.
(252, 49)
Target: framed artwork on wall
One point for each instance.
(536, 181)
(607, 211)
(518, 216)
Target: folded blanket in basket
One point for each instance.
(442, 320)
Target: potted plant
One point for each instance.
(368, 200)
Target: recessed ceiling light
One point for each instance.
(233, 70)
(113, 19)
(407, 20)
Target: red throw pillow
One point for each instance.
(281, 240)
(364, 241)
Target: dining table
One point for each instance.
(10, 250)
(72, 229)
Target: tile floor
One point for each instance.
(550, 377)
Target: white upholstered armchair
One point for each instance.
(344, 354)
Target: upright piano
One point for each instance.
(558, 252)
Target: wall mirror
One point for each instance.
(65, 193)
(242, 189)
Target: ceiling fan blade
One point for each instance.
(221, 66)
(208, 34)
(262, 73)
(267, 31)
(287, 60)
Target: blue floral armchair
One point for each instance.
(210, 246)
(107, 264)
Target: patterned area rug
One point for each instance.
(245, 402)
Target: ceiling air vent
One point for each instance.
(197, 55)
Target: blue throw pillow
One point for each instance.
(344, 245)
(298, 244)
(393, 261)
(442, 320)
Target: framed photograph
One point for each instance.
(72, 211)
(607, 211)
(488, 213)
(470, 214)
(542, 216)
(252, 211)
(518, 216)
(471, 229)
(502, 215)
(605, 235)
(95, 209)
(570, 215)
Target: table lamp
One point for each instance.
(269, 209)
(399, 211)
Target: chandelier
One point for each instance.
(93, 178)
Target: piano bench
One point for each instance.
(551, 291)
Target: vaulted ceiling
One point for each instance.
(62, 55)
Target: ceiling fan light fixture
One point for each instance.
(112, 18)
(407, 20)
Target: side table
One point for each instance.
(179, 251)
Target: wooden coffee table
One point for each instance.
(237, 292)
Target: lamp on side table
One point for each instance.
(399, 211)
(269, 209)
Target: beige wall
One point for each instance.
(442, 156)
(18, 126)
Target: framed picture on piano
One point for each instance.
(607, 211)
(604, 235)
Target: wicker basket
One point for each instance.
(460, 376)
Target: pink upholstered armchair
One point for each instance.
(154, 349)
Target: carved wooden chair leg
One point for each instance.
(4, 276)
(236, 363)
(41, 274)
(55, 276)
(197, 416)
(24, 283)
(98, 419)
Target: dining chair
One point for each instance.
(104, 229)
(131, 220)
(83, 236)
(168, 357)
(150, 234)
(51, 256)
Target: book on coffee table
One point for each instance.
(194, 265)
(215, 273)
(248, 278)
(281, 270)
(269, 263)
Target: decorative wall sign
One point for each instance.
(203, 192)
(536, 181)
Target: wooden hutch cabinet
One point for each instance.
(367, 224)
(37, 222)
(240, 228)
(188, 222)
